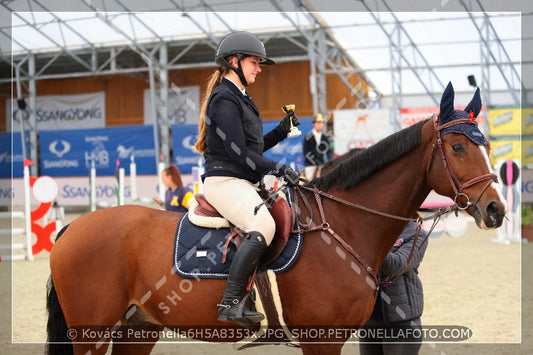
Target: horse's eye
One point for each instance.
(458, 148)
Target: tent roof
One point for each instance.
(428, 48)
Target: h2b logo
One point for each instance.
(99, 155)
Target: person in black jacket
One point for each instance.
(399, 306)
(232, 142)
(316, 148)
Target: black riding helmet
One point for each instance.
(242, 44)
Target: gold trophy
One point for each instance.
(293, 130)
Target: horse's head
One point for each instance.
(464, 172)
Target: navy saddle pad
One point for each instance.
(198, 251)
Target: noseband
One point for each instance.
(457, 186)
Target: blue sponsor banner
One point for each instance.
(289, 150)
(71, 152)
(183, 138)
(11, 155)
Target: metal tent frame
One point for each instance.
(307, 35)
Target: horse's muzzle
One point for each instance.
(491, 217)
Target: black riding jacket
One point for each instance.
(234, 137)
(316, 154)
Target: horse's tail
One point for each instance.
(57, 341)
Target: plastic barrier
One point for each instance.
(14, 246)
(27, 223)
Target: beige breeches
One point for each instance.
(236, 200)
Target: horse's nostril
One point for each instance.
(495, 213)
(493, 208)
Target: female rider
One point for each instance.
(232, 142)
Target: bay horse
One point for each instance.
(112, 268)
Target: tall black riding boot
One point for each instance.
(247, 257)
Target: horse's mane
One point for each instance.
(367, 162)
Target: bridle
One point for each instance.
(457, 185)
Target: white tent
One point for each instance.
(403, 53)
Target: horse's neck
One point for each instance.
(397, 190)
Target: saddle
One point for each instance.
(203, 214)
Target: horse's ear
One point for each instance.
(446, 103)
(475, 104)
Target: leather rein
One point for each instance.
(457, 186)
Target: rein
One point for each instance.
(324, 226)
(457, 186)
